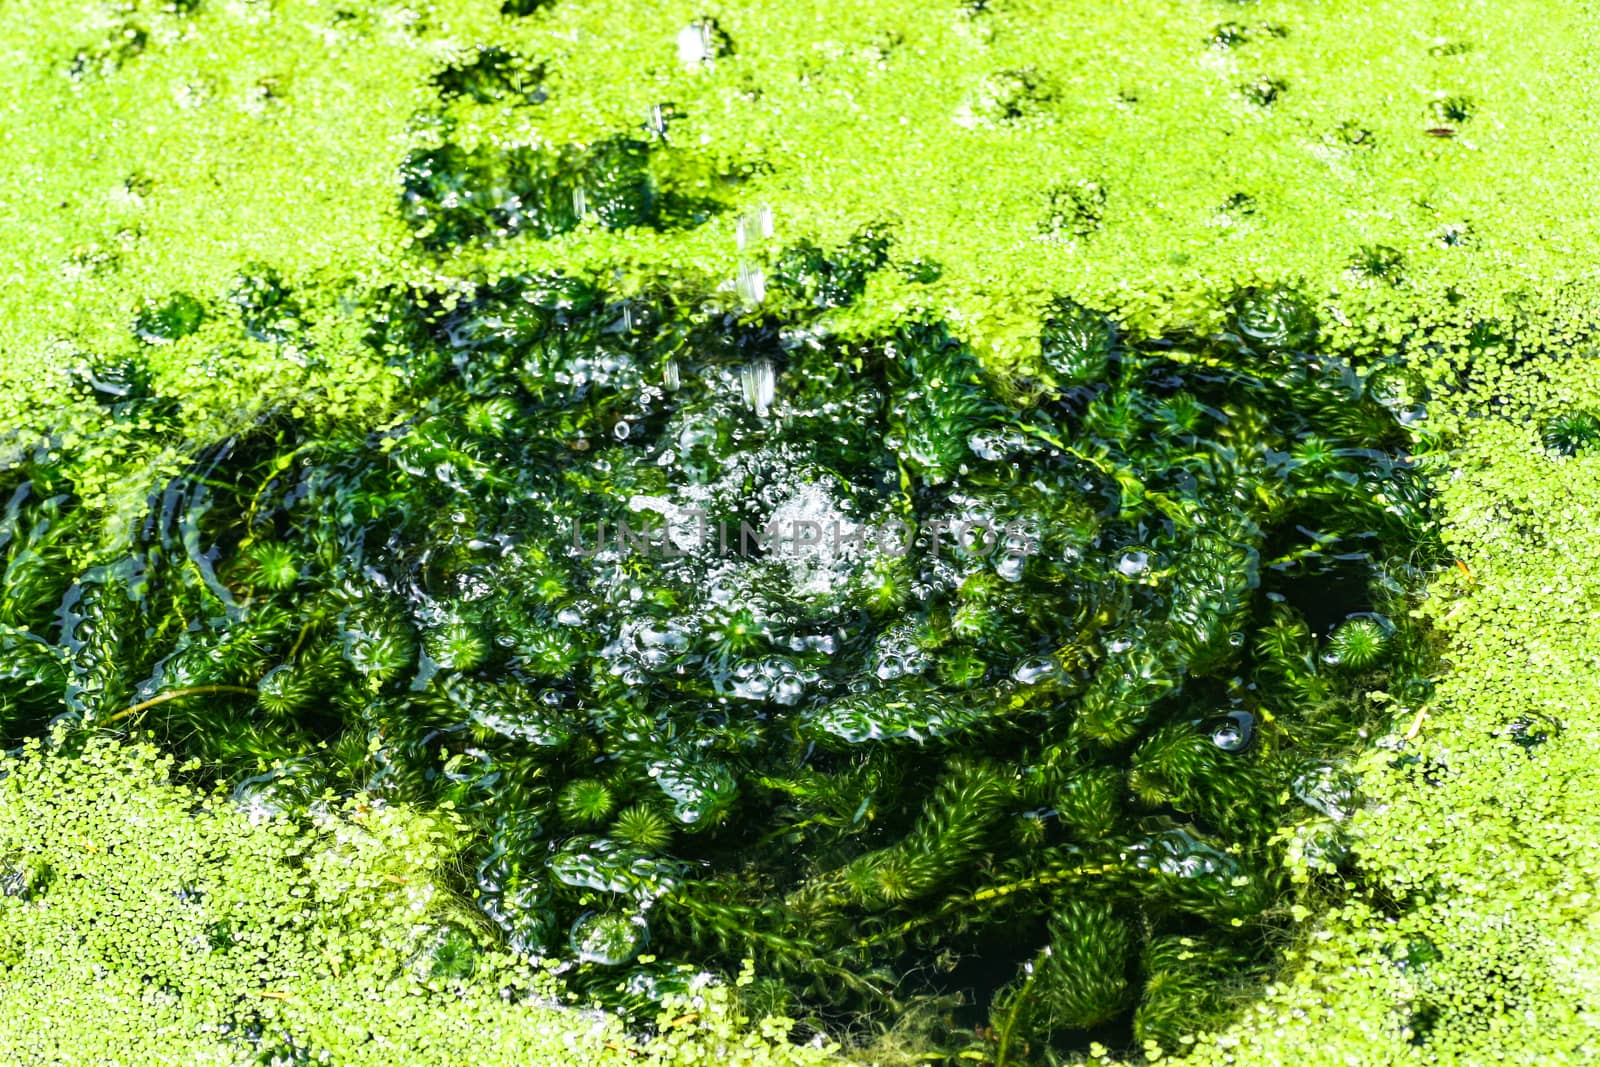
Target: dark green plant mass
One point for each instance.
(1043, 770)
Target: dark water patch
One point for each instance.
(491, 74)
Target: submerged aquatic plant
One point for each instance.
(586, 801)
(642, 828)
(275, 565)
(1570, 432)
(1358, 644)
(1058, 719)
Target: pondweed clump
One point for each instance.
(735, 639)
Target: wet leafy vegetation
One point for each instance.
(453, 194)
(731, 638)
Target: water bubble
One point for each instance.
(827, 644)
(610, 867)
(898, 654)
(1035, 670)
(995, 444)
(700, 790)
(512, 711)
(1179, 853)
(775, 679)
(910, 714)
(1234, 732)
(609, 940)
(1326, 790)
(788, 690)
(1133, 563)
(648, 643)
(750, 683)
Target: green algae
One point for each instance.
(1447, 243)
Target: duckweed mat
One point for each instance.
(1002, 607)
(209, 935)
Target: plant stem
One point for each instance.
(191, 691)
